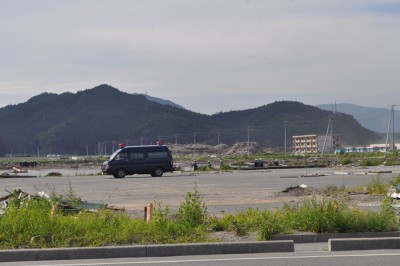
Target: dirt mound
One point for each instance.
(296, 191)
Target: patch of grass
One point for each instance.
(377, 186)
(371, 162)
(334, 191)
(345, 161)
(225, 165)
(326, 215)
(27, 223)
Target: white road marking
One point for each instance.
(225, 259)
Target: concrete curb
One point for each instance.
(324, 237)
(280, 243)
(146, 251)
(364, 243)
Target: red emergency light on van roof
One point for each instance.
(121, 145)
(160, 142)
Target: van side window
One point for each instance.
(121, 156)
(136, 155)
(158, 154)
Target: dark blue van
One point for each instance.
(130, 160)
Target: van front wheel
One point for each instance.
(158, 172)
(120, 173)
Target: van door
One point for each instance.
(137, 164)
(160, 158)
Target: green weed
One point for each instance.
(377, 186)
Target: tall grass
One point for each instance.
(313, 215)
(27, 223)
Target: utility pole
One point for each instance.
(326, 136)
(176, 144)
(248, 141)
(194, 143)
(393, 143)
(285, 125)
(87, 150)
(391, 123)
(218, 136)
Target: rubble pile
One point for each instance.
(198, 149)
(65, 205)
(244, 148)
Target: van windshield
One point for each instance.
(114, 154)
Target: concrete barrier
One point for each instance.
(183, 249)
(257, 247)
(72, 253)
(220, 248)
(145, 251)
(324, 237)
(346, 244)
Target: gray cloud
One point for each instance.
(306, 50)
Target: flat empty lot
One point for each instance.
(222, 192)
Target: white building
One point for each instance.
(314, 144)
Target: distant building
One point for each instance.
(314, 144)
(366, 149)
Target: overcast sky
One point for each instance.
(206, 55)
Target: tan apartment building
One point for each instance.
(314, 144)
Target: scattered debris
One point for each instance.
(360, 173)
(393, 192)
(380, 172)
(16, 173)
(341, 173)
(54, 174)
(313, 174)
(64, 205)
(6, 175)
(243, 148)
(297, 190)
(18, 170)
(289, 176)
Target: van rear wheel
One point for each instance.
(121, 173)
(158, 172)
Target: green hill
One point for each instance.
(95, 118)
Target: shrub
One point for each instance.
(371, 162)
(376, 186)
(192, 211)
(345, 161)
(225, 165)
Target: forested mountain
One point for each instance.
(77, 123)
(376, 119)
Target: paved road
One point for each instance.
(223, 192)
(298, 258)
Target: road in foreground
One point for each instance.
(359, 258)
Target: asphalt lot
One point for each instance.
(222, 191)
